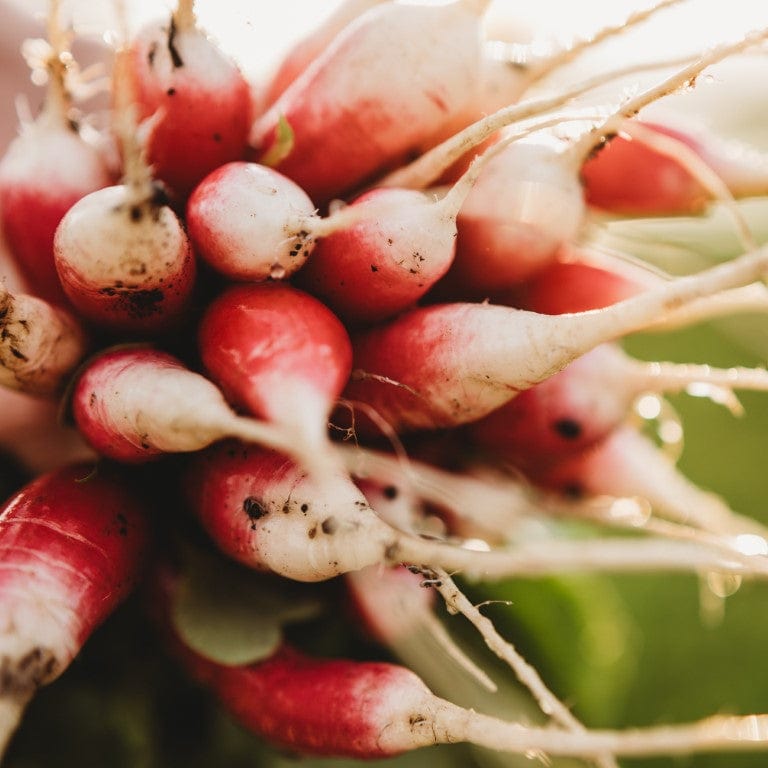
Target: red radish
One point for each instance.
(312, 45)
(627, 463)
(134, 404)
(45, 170)
(249, 222)
(71, 548)
(194, 99)
(579, 406)
(265, 512)
(450, 364)
(389, 81)
(281, 355)
(40, 345)
(386, 262)
(367, 710)
(660, 184)
(30, 432)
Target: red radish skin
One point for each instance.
(135, 404)
(40, 345)
(44, 173)
(389, 81)
(662, 186)
(71, 549)
(195, 101)
(279, 354)
(125, 262)
(450, 364)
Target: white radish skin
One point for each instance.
(252, 223)
(451, 364)
(125, 263)
(40, 345)
(135, 404)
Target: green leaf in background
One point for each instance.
(232, 615)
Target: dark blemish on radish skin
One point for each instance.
(312, 532)
(390, 492)
(573, 490)
(253, 508)
(217, 137)
(24, 675)
(136, 214)
(92, 399)
(305, 508)
(374, 268)
(19, 355)
(171, 92)
(568, 428)
(151, 54)
(330, 525)
(391, 552)
(175, 57)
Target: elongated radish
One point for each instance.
(661, 185)
(627, 463)
(265, 512)
(134, 404)
(386, 262)
(40, 345)
(47, 169)
(592, 396)
(451, 364)
(281, 355)
(390, 80)
(252, 223)
(71, 549)
(305, 51)
(371, 710)
(194, 99)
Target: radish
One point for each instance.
(446, 365)
(251, 223)
(40, 345)
(661, 185)
(193, 99)
(280, 355)
(71, 546)
(626, 463)
(263, 511)
(47, 169)
(577, 407)
(134, 404)
(390, 80)
(121, 253)
(368, 710)
(311, 46)
(386, 262)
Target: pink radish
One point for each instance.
(450, 364)
(311, 46)
(390, 80)
(71, 549)
(660, 185)
(583, 403)
(627, 463)
(279, 354)
(195, 101)
(251, 223)
(369, 710)
(264, 511)
(40, 345)
(47, 169)
(134, 404)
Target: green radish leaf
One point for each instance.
(283, 145)
(232, 615)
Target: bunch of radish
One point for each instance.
(352, 316)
